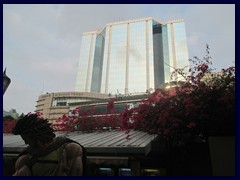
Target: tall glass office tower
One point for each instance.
(131, 56)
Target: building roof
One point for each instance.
(132, 21)
(96, 143)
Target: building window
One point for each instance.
(61, 103)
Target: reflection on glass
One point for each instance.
(137, 58)
(117, 64)
(98, 63)
(181, 47)
(131, 56)
(84, 73)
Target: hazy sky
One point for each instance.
(41, 43)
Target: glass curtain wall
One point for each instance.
(177, 48)
(98, 63)
(158, 54)
(64, 101)
(137, 58)
(170, 50)
(131, 57)
(166, 54)
(182, 58)
(105, 61)
(150, 55)
(117, 59)
(84, 73)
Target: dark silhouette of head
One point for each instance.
(34, 129)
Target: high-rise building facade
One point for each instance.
(131, 56)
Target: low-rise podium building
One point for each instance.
(54, 105)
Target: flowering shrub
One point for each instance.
(89, 120)
(8, 126)
(190, 111)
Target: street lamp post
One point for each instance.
(6, 81)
